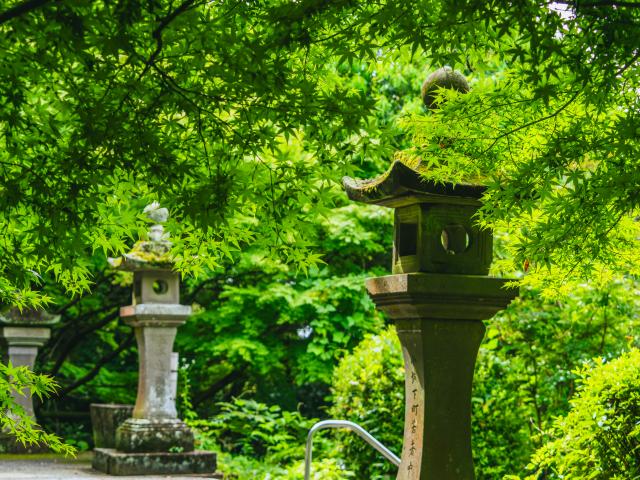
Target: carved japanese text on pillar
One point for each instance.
(415, 409)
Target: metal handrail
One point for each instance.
(386, 453)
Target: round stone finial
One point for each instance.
(444, 77)
(155, 213)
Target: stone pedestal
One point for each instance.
(154, 426)
(154, 440)
(155, 326)
(23, 333)
(438, 318)
(22, 350)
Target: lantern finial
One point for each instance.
(444, 77)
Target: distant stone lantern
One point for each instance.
(154, 440)
(438, 296)
(23, 333)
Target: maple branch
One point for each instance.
(97, 367)
(21, 9)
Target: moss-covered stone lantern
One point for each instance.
(154, 440)
(438, 296)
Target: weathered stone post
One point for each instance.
(154, 440)
(23, 333)
(438, 296)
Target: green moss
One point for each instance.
(145, 255)
(404, 176)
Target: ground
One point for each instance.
(54, 467)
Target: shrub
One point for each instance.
(265, 443)
(368, 389)
(600, 437)
(253, 429)
(239, 467)
(500, 419)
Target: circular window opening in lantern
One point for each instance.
(454, 239)
(160, 287)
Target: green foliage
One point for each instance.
(132, 101)
(109, 105)
(243, 120)
(525, 372)
(253, 429)
(258, 320)
(255, 440)
(259, 323)
(600, 437)
(368, 389)
(245, 467)
(17, 423)
(575, 161)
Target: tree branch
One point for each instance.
(624, 68)
(97, 367)
(534, 122)
(72, 343)
(216, 387)
(21, 9)
(157, 33)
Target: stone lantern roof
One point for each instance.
(404, 185)
(153, 253)
(27, 317)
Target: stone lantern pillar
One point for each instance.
(23, 333)
(154, 440)
(438, 296)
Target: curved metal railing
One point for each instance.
(386, 453)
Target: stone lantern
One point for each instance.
(23, 332)
(154, 440)
(438, 296)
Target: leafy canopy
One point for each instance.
(107, 105)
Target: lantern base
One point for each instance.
(137, 435)
(112, 462)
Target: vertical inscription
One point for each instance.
(414, 413)
(412, 447)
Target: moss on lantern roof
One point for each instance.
(145, 255)
(406, 184)
(15, 316)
